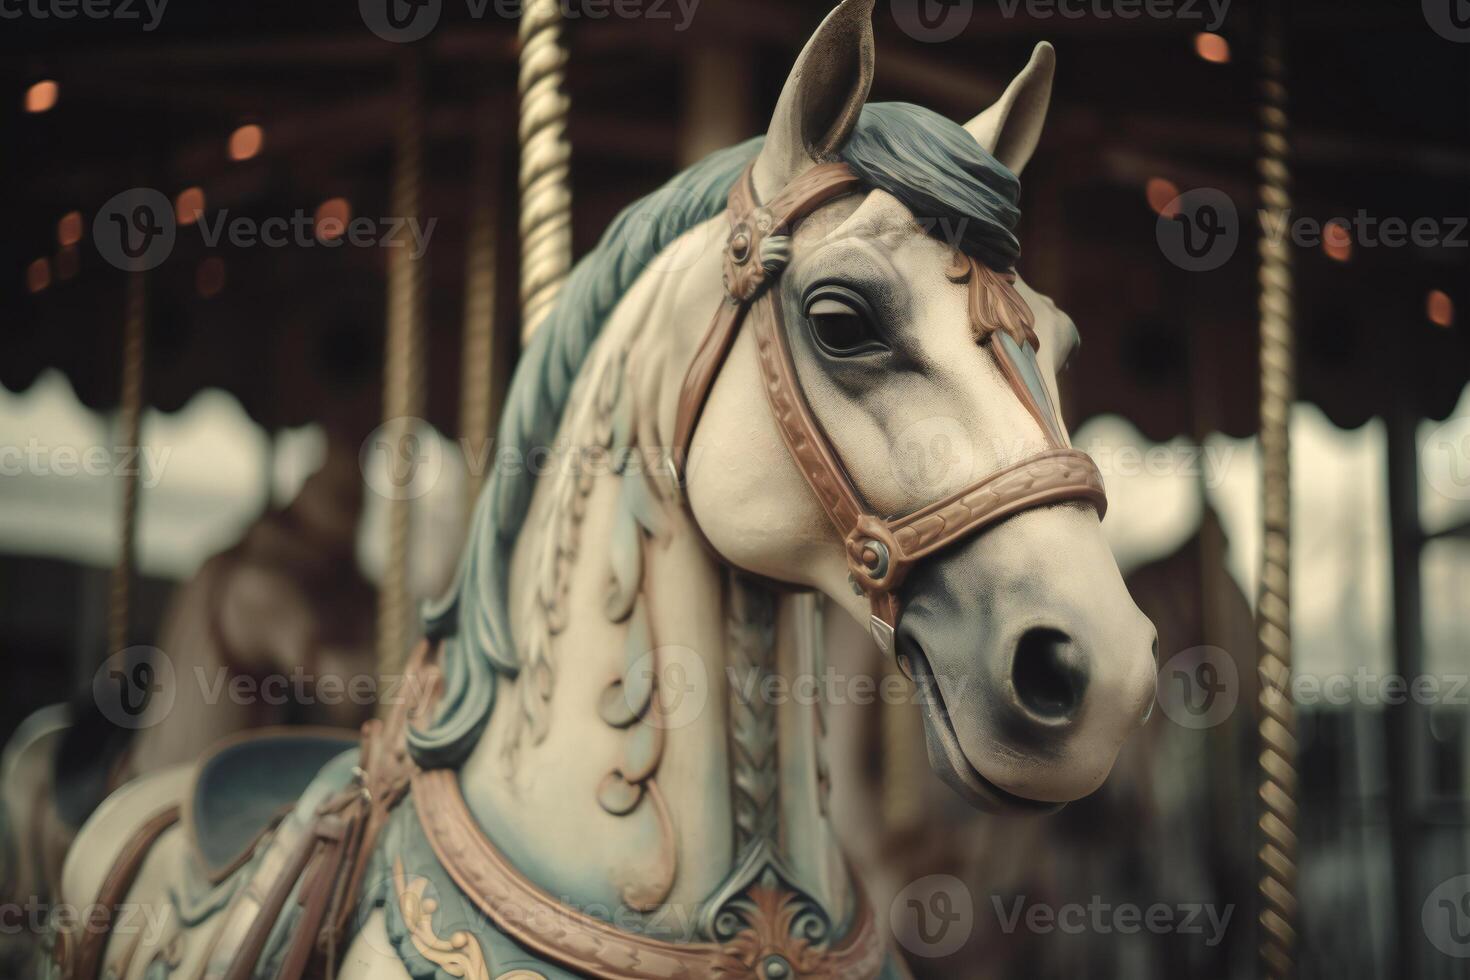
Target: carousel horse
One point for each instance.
(284, 601)
(588, 767)
(283, 604)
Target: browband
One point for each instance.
(880, 551)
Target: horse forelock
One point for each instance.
(956, 190)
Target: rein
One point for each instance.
(881, 552)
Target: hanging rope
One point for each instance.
(130, 422)
(403, 375)
(476, 402)
(1277, 726)
(546, 194)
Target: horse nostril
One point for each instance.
(1049, 673)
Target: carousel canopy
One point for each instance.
(277, 111)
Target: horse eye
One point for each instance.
(842, 326)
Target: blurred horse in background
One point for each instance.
(248, 640)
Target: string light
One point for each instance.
(41, 97)
(332, 216)
(1161, 194)
(1439, 308)
(189, 205)
(69, 229)
(1336, 241)
(38, 275)
(1212, 47)
(246, 142)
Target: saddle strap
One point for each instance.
(338, 841)
(114, 892)
(331, 856)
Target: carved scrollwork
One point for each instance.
(630, 702)
(459, 955)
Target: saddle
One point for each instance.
(247, 784)
(283, 810)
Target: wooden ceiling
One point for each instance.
(1380, 109)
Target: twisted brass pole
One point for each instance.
(1277, 717)
(545, 185)
(130, 422)
(403, 370)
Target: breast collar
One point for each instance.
(880, 551)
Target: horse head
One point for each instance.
(929, 370)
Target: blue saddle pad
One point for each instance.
(243, 786)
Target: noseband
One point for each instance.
(880, 551)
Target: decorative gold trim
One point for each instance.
(459, 955)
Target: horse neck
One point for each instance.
(611, 579)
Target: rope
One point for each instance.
(1277, 725)
(476, 403)
(403, 376)
(546, 194)
(130, 420)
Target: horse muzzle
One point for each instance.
(1031, 672)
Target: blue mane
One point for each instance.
(929, 163)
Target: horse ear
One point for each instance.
(1011, 128)
(822, 99)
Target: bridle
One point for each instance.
(880, 551)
